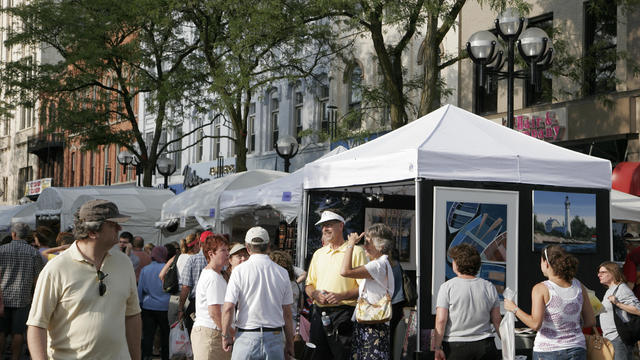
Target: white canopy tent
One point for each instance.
(203, 202)
(453, 144)
(625, 207)
(283, 195)
(142, 204)
(16, 213)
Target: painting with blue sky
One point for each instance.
(564, 218)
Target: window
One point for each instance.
(6, 126)
(324, 107)
(72, 174)
(355, 96)
(24, 174)
(275, 113)
(107, 170)
(176, 147)
(216, 142)
(5, 188)
(251, 130)
(297, 114)
(544, 94)
(92, 167)
(200, 144)
(600, 47)
(26, 117)
(81, 182)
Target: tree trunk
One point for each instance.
(147, 170)
(430, 99)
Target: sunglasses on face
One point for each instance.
(102, 287)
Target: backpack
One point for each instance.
(170, 283)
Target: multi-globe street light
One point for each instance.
(166, 167)
(533, 44)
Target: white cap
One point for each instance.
(329, 216)
(257, 236)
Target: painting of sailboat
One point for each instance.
(460, 213)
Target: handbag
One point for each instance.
(629, 331)
(170, 282)
(379, 312)
(409, 290)
(598, 348)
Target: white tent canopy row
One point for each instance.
(202, 202)
(283, 195)
(142, 204)
(17, 213)
(625, 207)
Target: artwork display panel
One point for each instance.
(486, 219)
(403, 223)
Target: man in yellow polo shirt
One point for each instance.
(86, 299)
(332, 293)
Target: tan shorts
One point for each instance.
(207, 344)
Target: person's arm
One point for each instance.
(335, 298)
(54, 250)
(227, 316)
(347, 270)
(318, 296)
(133, 332)
(534, 321)
(215, 312)
(288, 332)
(496, 318)
(302, 277)
(442, 314)
(37, 342)
(628, 308)
(588, 317)
(165, 268)
(184, 293)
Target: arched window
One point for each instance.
(297, 111)
(355, 97)
(274, 107)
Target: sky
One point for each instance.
(548, 204)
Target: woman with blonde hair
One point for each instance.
(618, 294)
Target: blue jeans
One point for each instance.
(576, 353)
(622, 350)
(268, 345)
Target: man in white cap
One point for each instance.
(261, 291)
(86, 299)
(332, 293)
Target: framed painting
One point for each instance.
(403, 223)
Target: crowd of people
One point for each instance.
(102, 293)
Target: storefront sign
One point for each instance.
(36, 187)
(546, 125)
(198, 173)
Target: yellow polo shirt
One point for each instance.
(324, 270)
(82, 324)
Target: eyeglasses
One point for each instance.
(102, 287)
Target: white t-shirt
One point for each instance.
(625, 296)
(182, 261)
(381, 273)
(210, 291)
(259, 287)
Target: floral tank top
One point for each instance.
(561, 327)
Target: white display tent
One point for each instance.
(453, 144)
(16, 213)
(625, 207)
(203, 201)
(142, 204)
(283, 195)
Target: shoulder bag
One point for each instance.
(409, 290)
(598, 348)
(629, 332)
(380, 312)
(170, 283)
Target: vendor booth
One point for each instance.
(56, 208)
(201, 205)
(453, 177)
(16, 213)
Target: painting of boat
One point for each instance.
(496, 250)
(494, 273)
(460, 214)
(480, 232)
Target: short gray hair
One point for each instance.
(257, 248)
(382, 238)
(21, 229)
(82, 228)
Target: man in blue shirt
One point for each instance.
(154, 303)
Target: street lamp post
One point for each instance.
(287, 147)
(166, 167)
(486, 53)
(126, 158)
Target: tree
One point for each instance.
(245, 46)
(107, 53)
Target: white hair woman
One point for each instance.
(371, 341)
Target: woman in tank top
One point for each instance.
(560, 308)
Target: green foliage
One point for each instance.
(580, 230)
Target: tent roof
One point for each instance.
(13, 213)
(202, 199)
(625, 207)
(453, 144)
(283, 194)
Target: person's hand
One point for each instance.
(510, 305)
(127, 248)
(227, 343)
(180, 315)
(289, 352)
(334, 298)
(440, 355)
(354, 238)
(321, 297)
(613, 299)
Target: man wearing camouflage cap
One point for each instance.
(86, 298)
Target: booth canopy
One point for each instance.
(283, 194)
(17, 213)
(142, 204)
(625, 207)
(454, 144)
(204, 200)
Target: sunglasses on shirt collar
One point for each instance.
(102, 287)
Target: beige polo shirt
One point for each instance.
(82, 324)
(324, 270)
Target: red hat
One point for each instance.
(205, 235)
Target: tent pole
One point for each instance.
(418, 189)
(302, 229)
